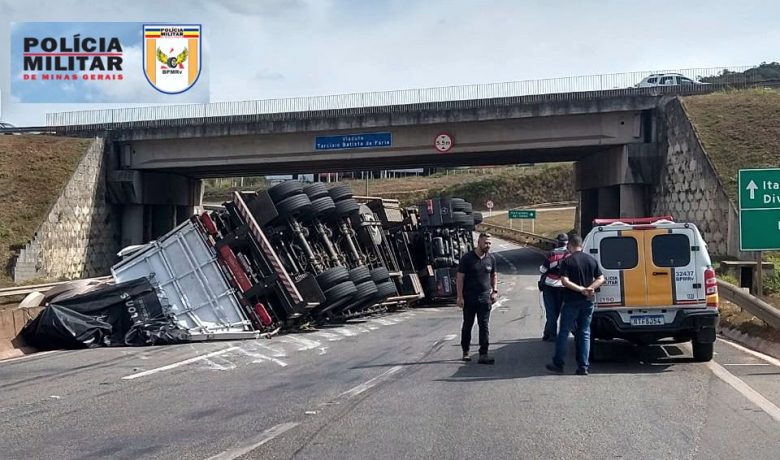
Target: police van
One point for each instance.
(660, 283)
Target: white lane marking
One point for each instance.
(215, 366)
(256, 442)
(303, 344)
(449, 337)
(499, 303)
(277, 352)
(329, 336)
(345, 332)
(748, 364)
(259, 357)
(179, 364)
(367, 385)
(755, 397)
(434, 309)
(766, 358)
(531, 288)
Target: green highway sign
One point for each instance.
(759, 209)
(522, 214)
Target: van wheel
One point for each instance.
(702, 352)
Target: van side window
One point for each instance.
(652, 80)
(671, 250)
(618, 253)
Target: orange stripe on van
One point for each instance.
(659, 279)
(634, 289)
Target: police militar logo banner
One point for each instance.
(172, 57)
(107, 62)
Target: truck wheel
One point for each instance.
(332, 277)
(380, 274)
(294, 205)
(386, 290)
(340, 192)
(360, 274)
(315, 190)
(461, 218)
(322, 206)
(702, 352)
(340, 291)
(468, 208)
(284, 190)
(457, 204)
(366, 290)
(345, 207)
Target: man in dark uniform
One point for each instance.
(581, 276)
(477, 290)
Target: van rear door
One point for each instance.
(673, 279)
(619, 253)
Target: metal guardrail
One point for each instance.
(517, 235)
(24, 290)
(753, 305)
(565, 88)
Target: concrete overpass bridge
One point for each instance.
(158, 155)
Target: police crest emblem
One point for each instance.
(172, 56)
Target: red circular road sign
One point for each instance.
(489, 204)
(443, 142)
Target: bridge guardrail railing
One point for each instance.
(526, 91)
(517, 235)
(753, 305)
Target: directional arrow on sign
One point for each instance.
(752, 188)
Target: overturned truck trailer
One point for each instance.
(276, 259)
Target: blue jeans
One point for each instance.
(553, 300)
(580, 313)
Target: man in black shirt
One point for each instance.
(581, 275)
(477, 289)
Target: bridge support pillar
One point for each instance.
(153, 203)
(614, 183)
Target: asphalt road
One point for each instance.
(392, 387)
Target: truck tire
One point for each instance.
(285, 190)
(340, 192)
(457, 205)
(468, 208)
(360, 274)
(340, 291)
(702, 352)
(331, 277)
(322, 206)
(294, 205)
(366, 291)
(461, 219)
(477, 216)
(315, 190)
(379, 275)
(386, 290)
(346, 207)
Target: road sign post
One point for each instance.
(523, 215)
(759, 215)
(489, 205)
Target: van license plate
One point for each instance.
(647, 320)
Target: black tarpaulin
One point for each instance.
(125, 314)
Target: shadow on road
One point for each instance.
(522, 261)
(526, 358)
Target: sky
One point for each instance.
(268, 49)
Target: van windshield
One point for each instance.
(618, 253)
